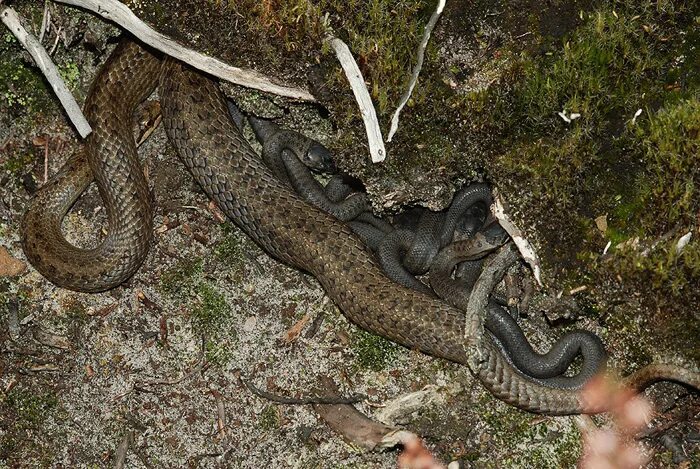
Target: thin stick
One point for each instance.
(420, 56)
(526, 250)
(333, 400)
(120, 458)
(44, 20)
(58, 38)
(364, 102)
(43, 61)
(46, 160)
(124, 17)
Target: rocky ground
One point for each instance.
(157, 363)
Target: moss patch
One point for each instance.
(269, 419)
(23, 91)
(641, 171)
(209, 313)
(25, 413)
(373, 352)
(211, 309)
(182, 277)
(230, 251)
(550, 443)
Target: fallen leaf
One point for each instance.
(216, 212)
(293, 332)
(51, 340)
(602, 223)
(9, 266)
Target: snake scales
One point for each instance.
(197, 122)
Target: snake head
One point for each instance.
(319, 158)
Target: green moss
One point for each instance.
(667, 197)
(218, 352)
(30, 407)
(605, 70)
(554, 167)
(641, 171)
(269, 419)
(511, 429)
(373, 352)
(230, 250)
(70, 74)
(25, 413)
(23, 90)
(16, 162)
(663, 268)
(185, 282)
(671, 145)
(211, 309)
(603, 66)
(182, 277)
(383, 36)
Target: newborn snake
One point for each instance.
(292, 157)
(197, 122)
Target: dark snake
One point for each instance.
(196, 119)
(415, 249)
(293, 157)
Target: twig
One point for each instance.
(520, 36)
(171, 382)
(43, 61)
(120, 458)
(416, 68)
(364, 102)
(526, 250)
(45, 20)
(124, 17)
(55, 42)
(46, 159)
(304, 400)
(221, 414)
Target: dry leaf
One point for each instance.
(9, 266)
(293, 332)
(602, 223)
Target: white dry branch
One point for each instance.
(364, 101)
(524, 247)
(416, 68)
(124, 17)
(43, 61)
(45, 20)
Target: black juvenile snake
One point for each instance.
(292, 157)
(197, 122)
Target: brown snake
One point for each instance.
(197, 122)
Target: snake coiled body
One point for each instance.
(109, 158)
(197, 122)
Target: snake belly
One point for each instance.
(198, 123)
